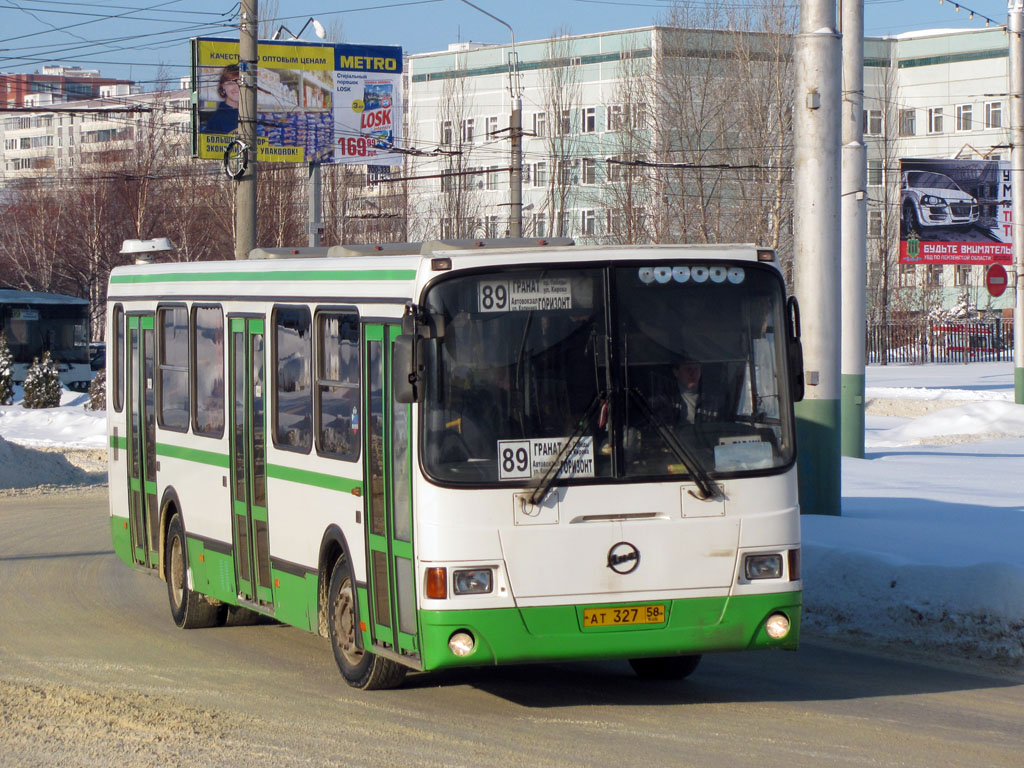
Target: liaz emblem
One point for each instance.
(623, 558)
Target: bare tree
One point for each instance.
(561, 88)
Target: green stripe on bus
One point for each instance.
(317, 479)
(282, 276)
(119, 442)
(193, 454)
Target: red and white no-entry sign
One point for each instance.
(995, 279)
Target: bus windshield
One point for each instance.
(615, 373)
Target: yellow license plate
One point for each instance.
(624, 616)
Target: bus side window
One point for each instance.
(208, 364)
(293, 391)
(118, 357)
(172, 389)
(337, 385)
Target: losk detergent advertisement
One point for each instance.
(328, 103)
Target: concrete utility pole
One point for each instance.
(245, 189)
(315, 195)
(816, 249)
(854, 229)
(1016, 26)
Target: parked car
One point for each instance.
(930, 199)
(97, 355)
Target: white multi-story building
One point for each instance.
(87, 134)
(938, 94)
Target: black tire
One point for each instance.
(361, 669)
(188, 609)
(665, 667)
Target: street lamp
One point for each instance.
(318, 29)
(515, 128)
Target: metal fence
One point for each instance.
(946, 341)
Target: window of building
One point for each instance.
(467, 130)
(907, 275)
(491, 226)
(933, 275)
(540, 225)
(208, 363)
(588, 222)
(994, 114)
(540, 124)
(588, 120)
(874, 173)
(493, 177)
(540, 174)
(567, 172)
(292, 365)
(614, 221)
(172, 376)
(962, 274)
(588, 170)
(874, 223)
(908, 122)
(492, 126)
(337, 385)
(964, 117)
(872, 122)
(447, 231)
(638, 115)
(935, 120)
(613, 169)
(565, 122)
(614, 120)
(446, 132)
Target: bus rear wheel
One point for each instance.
(665, 667)
(361, 669)
(188, 609)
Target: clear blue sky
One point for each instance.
(129, 38)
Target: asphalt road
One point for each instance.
(93, 672)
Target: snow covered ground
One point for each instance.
(927, 554)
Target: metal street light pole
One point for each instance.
(515, 129)
(1016, 29)
(854, 229)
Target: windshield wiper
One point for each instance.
(540, 490)
(708, 488)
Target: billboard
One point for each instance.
(325, 102)
(954, 212)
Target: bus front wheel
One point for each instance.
(361, 669)
(188, 609)
(665, 667)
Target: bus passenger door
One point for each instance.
(248, 461)
(388, 465)
(143, 516)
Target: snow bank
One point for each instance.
(22, 467)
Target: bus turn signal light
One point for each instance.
(437, 583)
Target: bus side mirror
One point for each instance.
(794, 350)
(406, 371)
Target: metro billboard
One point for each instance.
(954, 212)
(330, 103)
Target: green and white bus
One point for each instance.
(465, 453)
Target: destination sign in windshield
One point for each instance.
(529, 294)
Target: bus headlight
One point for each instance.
(777, 626)
(762, 567)
(461, 643)
(478, 581)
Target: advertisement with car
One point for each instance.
(954, 212)
(329, 103)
